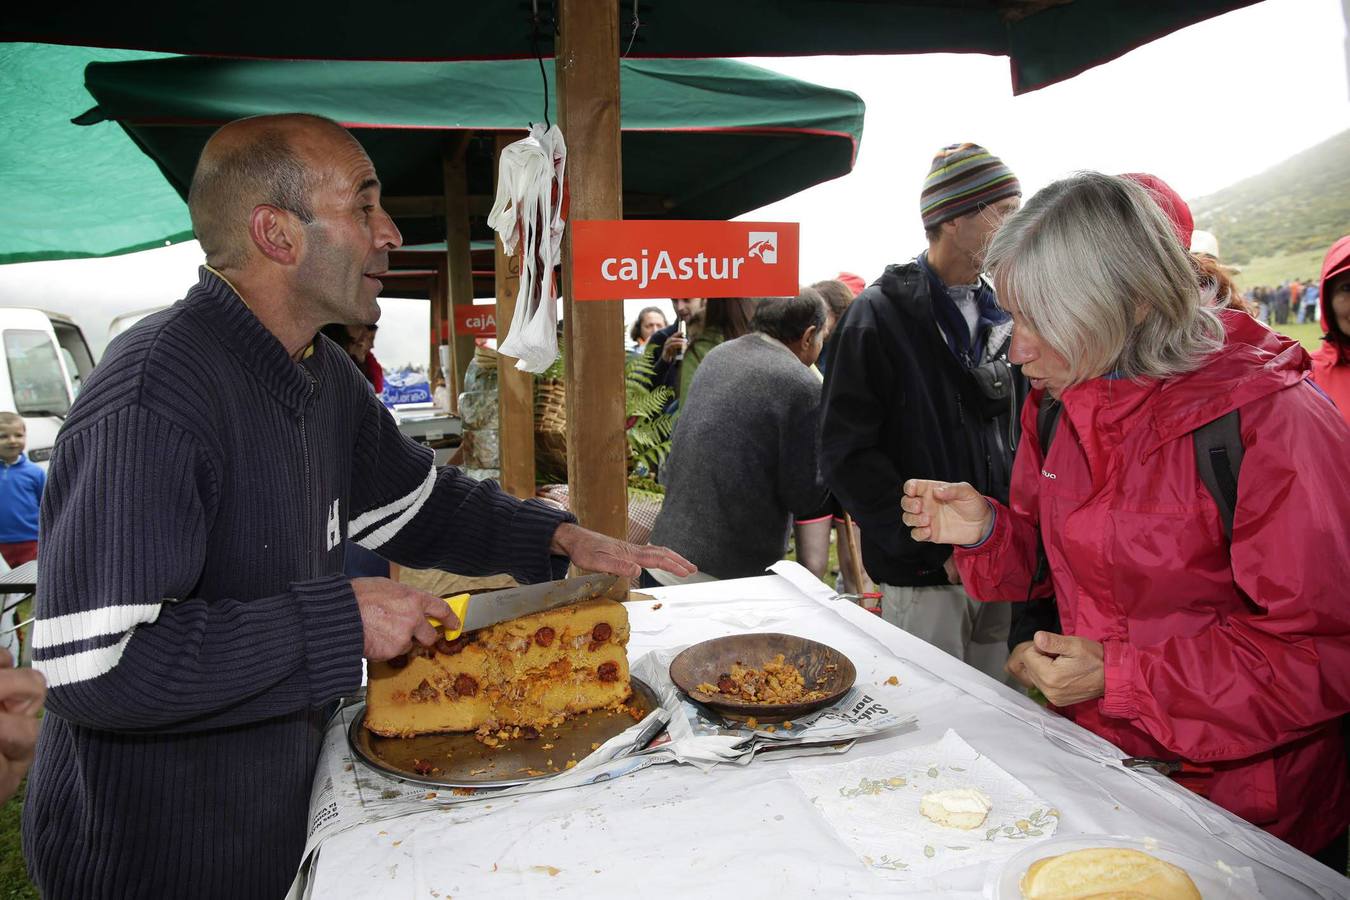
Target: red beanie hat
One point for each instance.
(1176, 209)
(852, 282)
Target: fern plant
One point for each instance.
(649, 425)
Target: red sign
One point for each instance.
(479, 320)
(633, 259)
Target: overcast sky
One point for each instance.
(1201, 108)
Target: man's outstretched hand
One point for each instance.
(600, 553)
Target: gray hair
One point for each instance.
(1095, 269)
(788, 318)
(230, 181)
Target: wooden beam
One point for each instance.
(515, 389)
(587, 68)
(458, 258)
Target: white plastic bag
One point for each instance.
(527, 215)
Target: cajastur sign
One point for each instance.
(479, 320)
(615, 260)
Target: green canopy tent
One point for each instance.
(702, 139)
(1046, 40)
(73, 192)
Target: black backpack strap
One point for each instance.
(1047, 420)
(1218, 459)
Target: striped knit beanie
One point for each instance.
(963, 178)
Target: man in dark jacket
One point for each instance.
(193, 623)
(920, 382)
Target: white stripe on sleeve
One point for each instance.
(367, 519)
(92, 623)
(82, 666)
(381, 535)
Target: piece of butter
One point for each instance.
(964, 808)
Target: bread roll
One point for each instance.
(1106, 872)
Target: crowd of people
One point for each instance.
(1295, 298)
(1075, 458)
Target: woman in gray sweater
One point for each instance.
(743, 459)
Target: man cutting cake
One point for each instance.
(194, 622)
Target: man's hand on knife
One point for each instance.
(394, 616)
(600, 553)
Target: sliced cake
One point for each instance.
(536, 671)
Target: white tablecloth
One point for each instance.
(747, 831)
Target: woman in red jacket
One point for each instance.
(1331, 362)
(1179, 644)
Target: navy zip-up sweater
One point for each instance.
(192, 615)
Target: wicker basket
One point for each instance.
(550, 430)
(643, 508)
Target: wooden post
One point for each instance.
(436, 294)
(515, 389)
(458, 258)
(587, 70)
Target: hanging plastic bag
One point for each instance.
(528, 217)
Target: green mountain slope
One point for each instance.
(1281, 221)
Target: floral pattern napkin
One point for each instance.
(873, 806)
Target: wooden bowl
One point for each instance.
(706, 662)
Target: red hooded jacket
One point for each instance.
(1331, 362)
(1235, 659)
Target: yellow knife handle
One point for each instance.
(459, 604)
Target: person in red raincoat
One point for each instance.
(1331, 362)
(1177, 644)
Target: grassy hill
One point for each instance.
(1277, 224)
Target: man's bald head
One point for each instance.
(263, 160)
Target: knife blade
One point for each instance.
(481, 610)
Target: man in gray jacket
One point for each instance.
(743, 459)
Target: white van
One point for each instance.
(46, 361)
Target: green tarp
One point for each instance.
(1046, 40)
(68, 191)
(701, 138)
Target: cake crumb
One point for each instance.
(656, 606)
(431, 795)
(548, 870)
(893, 680)
(752, 722)
(788, 724)
(548, 747)
(571, 763)
(463, 792)
(595, 745)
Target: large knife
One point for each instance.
(481, 610)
